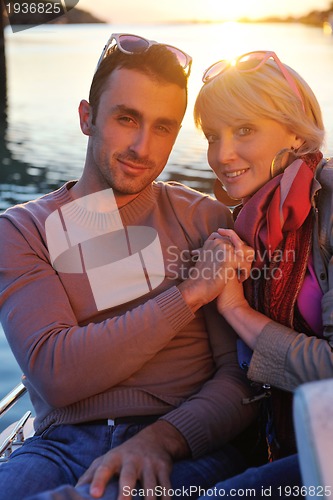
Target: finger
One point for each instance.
(213, 236)
(100, 479)
(233, 236)
(249, 254)
(196, 252)
(128, 479)
(164, 481)
(150, 483)
(242, 275)
(88, 475)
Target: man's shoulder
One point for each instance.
(39, 207)
(180, 193)
(192, 207)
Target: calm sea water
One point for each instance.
(50, 69)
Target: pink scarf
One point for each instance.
(277, 222)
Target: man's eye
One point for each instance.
(162, 129)
(125, 119)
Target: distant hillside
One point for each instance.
(74, 16)
(314, 18)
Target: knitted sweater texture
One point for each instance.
(149, 355)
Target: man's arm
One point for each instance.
(53, 350)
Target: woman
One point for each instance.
(264, 130)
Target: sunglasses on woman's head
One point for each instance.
(133, 44)
(251, 62)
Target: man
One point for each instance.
(104, 312)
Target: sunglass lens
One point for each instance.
(214, 70)
(181, 57)
(250, 61)
(132, 44)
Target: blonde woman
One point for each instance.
(264, 130)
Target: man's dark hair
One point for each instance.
(157, 62)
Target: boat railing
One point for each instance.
(14, 435)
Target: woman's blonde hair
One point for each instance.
(264, 93)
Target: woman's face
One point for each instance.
(241, 154)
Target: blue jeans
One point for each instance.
(61, 454)
(280, 480)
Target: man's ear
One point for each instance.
(85, 113)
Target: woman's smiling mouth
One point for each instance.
(236, 173)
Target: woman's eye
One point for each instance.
(244, 131)
(211, 138)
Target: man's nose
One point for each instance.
(141, 143)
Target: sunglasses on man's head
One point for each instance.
(133, 44)
(251, 62)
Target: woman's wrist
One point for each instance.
(235, 313)
(247, 322)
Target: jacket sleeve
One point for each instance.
(285, 358)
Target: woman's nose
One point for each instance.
(226, 152)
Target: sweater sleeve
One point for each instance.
(52, 349)
(216, 414)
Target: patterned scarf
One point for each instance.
(277, 221)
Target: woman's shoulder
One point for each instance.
(324, 173)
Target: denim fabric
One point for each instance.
(280, 479)
(60, 455)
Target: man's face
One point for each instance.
(137, 123)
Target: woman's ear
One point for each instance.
(85, 113)
(297, 143)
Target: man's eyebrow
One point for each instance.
(168, 122)
(122, 108)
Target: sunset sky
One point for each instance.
(147, 11)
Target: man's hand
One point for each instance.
(146, 457)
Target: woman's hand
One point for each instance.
(231, 298)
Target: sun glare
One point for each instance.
(229, 11)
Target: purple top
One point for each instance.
(309, 300)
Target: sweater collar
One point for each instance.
(137, 207)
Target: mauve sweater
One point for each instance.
(151, 355)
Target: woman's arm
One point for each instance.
(281, 356)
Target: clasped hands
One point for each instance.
(224, 257)
(237, 256)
